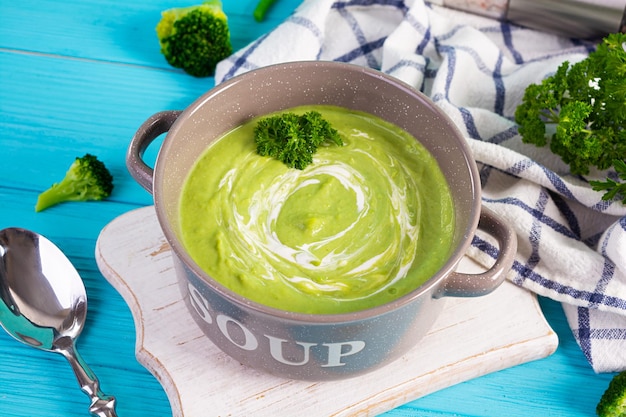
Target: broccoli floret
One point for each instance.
(292, 138)
(195, 38)
(613, 401)
(261, 9)
(86, 179)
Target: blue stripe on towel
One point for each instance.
(500, 88)
(583, 334)
(363, 50)
(508, 41)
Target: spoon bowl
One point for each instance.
(44, 305)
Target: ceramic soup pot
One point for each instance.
(309, 346)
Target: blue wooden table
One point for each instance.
(80, 76)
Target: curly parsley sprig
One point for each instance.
(586, 104)
(293, 138)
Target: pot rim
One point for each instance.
(429, 287)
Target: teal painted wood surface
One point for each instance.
(80, 76)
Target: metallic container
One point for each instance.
(585, 19)
(317, 346)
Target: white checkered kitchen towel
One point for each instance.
(572, 245)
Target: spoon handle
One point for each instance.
(102, 405)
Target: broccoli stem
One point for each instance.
(56, 194)
(261, 9)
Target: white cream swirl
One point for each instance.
(374, 246)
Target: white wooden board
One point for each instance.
(473, 337)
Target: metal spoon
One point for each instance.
(44, 305)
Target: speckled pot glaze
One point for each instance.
(303, 346)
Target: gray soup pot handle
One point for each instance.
(151, 129)
(459, 284)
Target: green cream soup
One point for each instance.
(364, 224)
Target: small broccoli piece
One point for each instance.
(86, 179)
(292, 138)
(613, 401)
(261, 9)
(195, 38)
